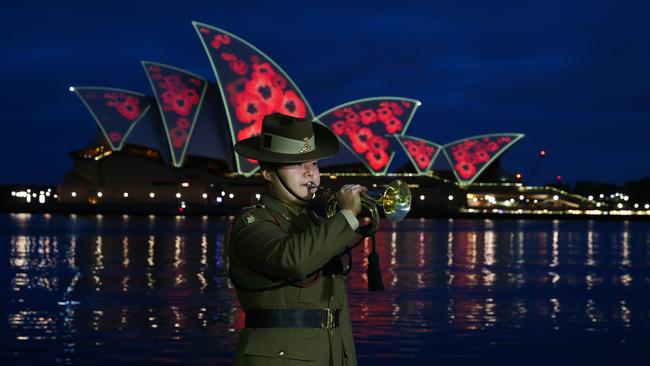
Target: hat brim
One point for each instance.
(327, 145)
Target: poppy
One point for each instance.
(491, 146)
(263, 69)
(377, 159)
(429, 150)
(406, 104)
(204, 30)
(351, 116)
(262, 86)
(115, 136)
(219, 40)
(360, 140)
(279, 81)
(178, 136)
(422, 161)
(503, 139)
(250, 108)
(153, 68)
(291, 104)
(183, 122)
(228, 56)
(338, 127)
(338, 113)
(191, 95)
(414, 150)
(368, 116)
(155, 76)
(393, 125)
(377, 142)
(351, 129)
(396, 108)
(481, 156)
(176, 102)
(384, 114)
(239, 67)
(465, 170)
(460, 155)
(129, 108)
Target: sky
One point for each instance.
(573, 76)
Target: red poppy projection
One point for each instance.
(179, 94)
(362, 126)
(251, 84)
(421, 152)
(470, 156)
(116, 111)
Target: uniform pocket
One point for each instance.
(266, 346)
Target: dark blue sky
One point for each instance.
(574, 76)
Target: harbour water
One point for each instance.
(104, 290)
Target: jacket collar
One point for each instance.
(272, 203)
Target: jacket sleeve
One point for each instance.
(265, 248)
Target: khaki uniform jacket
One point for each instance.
(266, 248)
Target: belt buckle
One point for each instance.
(328, 322)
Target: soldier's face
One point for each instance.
(296, 177)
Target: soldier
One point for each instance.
(286, 262)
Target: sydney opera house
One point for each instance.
(169, 149)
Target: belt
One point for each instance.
(292, 318)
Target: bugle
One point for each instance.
(394, 202)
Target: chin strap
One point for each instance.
(287, 187)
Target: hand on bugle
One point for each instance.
(349, 197)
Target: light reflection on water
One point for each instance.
(149, 289)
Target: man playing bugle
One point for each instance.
(285, 261)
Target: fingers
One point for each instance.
(354, 188)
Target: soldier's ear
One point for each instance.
(266, 174)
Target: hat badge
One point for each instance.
(306, 147)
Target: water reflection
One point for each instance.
(84, 289)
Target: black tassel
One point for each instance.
(375, 282)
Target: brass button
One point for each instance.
(281, 353)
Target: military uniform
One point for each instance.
(283, 257)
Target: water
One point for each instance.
(93, 290)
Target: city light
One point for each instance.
(126, 194)
(231, 196)
(422, 197)
(590, 198)
(185, 184)
(542, 153)
(99, 194)
(73, 194)
(451, 198)
(178, 195)
(219, 199)
(257, 195)
(152, 195)
(620, 205)
(204, 195)
(556, 197)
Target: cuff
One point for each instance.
(352, 220)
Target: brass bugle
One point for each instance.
(394, 201)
